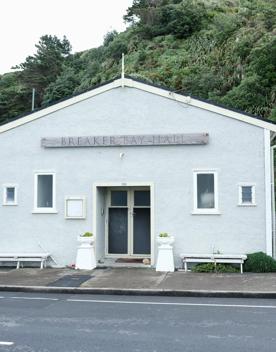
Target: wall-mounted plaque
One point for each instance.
(75, 208)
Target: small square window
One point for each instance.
(10, 195)
(247, 194)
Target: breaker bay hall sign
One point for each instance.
(126, 140)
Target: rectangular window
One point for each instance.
(205, 192)
(247, 194)
(10, 195)
(44, 193)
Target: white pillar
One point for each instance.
(165, 261)
(86, 254)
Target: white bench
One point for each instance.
(212, 258)
(25, 257)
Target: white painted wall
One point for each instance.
(235, 150)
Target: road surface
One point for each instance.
(89, 323)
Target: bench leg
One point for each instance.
(18, 264)
(185, 266)
(241, 268)
(42, 264)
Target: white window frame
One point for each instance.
(205, 211)
(80, 198)
(10, 185)
(40, 210)
(247, 184)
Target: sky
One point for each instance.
(84, 22)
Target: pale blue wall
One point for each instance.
(236, 149)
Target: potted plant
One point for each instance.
(86, 238)
(165, 239)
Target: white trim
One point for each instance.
(44, 211)
(130, 231)
(268, 200)
(273, 202)
(127, 82)
(205, 211)
(94, 217)
(125, 184)
(80, 198)
(51, 109)
(200, 104)
(247, 184)
(38, 210)
(10, 185)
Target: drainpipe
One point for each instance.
(273, 201)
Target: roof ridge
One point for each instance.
(157, 86)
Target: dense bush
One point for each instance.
(152, 19)
(212, 268)
(259, 262)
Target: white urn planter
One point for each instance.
(165, 261)
(86, 253)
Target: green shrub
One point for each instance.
(259, 262)
(87, 234)
(212, 268)
(163, 234)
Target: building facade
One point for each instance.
(127, 161)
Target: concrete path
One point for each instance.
(137, 280)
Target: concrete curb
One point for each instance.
(139, 292)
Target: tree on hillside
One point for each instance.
(39, 70)
(13, 96)
(161, 17)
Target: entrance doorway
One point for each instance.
(128, 222)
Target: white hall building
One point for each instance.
(128, 160)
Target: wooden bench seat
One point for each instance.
(19, 258)
(213, 258)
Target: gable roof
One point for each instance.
(150, 88)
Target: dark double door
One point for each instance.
(128, 222)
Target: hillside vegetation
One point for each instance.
(222, 50)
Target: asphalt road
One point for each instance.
(86, 323)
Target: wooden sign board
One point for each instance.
(126, 140)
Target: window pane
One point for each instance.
(205, 191)
(45, 191)
(10, 194)
(119, 198)
(142, 198)
(247, 194)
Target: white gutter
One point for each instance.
(273, 201)
(268, 194)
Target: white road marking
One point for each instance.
(6, 343)
(35, 298)
(172, 303)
